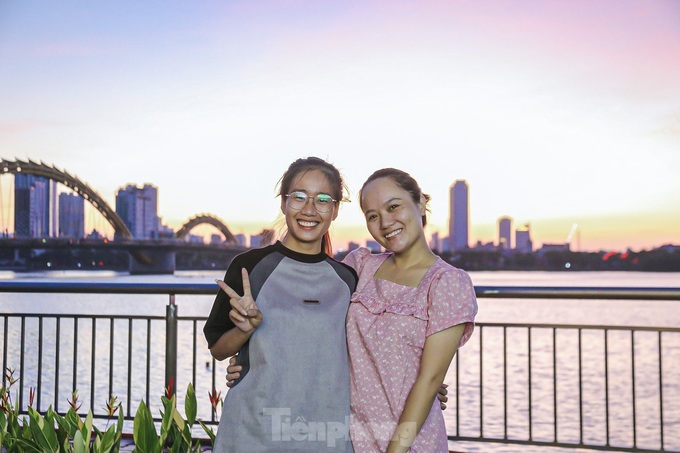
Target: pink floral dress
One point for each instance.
(387, 325)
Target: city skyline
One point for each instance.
(554, 112)
(134, 202)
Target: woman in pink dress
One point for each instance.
(410, 313)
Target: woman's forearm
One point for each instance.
(416, 410)
(437, 354)
(229, 343)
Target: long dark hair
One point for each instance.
(403, 180)
(338, 186)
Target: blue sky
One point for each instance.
(555, 112)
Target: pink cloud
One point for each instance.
(13, 128)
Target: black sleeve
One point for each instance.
(218, 321)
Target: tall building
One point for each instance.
(373, 246)
(138, 207)
(505, 233)
(32, 206)
(523, 242)
(263, 239)
(240, 239)
(71, 216)
(54, 208)
(436, 242)
(459, 215)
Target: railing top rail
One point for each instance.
(577, 292)
(107, 287)
(597, 327)
(497, 292)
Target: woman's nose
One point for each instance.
(309, 207)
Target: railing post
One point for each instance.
(171, 346)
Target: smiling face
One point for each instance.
(392, 216)
(306, 226)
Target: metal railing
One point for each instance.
(574, 386)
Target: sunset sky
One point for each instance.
(555, 112)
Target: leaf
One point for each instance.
(179, 421)
(166, 422)
(62, 430)
(208, 431)
(190, 405)
(28, 445)
(87, 428)
(74, 422)
(176, 445)
(121, 419)
(43, 434)
(78, 443)
(144, 431)
(107, 441)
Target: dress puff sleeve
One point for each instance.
(357, 258)
(452, 301)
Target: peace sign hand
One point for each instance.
(244, 313)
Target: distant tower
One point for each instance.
(505, 233)
(435, 242)
(31, 206)
(459, 215)
(54, 208)
(263, 239)
(373, 246)
(523, 240)
(240, 239)
(138, 207)
(71, 216)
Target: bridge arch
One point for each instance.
(72, 182)
(209, 219)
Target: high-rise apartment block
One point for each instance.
(459, 215)
(263, 239)
(436, 242)
(240, 239)
(523, 242)
(34, 206)
(71, 216)
(373, 246)
(138, 207)
(505, 233)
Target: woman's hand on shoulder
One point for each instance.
(441, 396)
(233, 372)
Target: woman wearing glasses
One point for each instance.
(293, 391)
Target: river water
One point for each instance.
(470, 404)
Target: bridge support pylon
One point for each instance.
(160, 262)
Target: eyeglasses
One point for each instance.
(322, 202)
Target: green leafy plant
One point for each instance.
(69, 433)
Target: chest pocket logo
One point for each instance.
(311, 302)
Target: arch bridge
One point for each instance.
(81, 188)
(72, 182)
(209, 219)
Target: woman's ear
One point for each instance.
(422, 205)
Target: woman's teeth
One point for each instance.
(394, 233)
